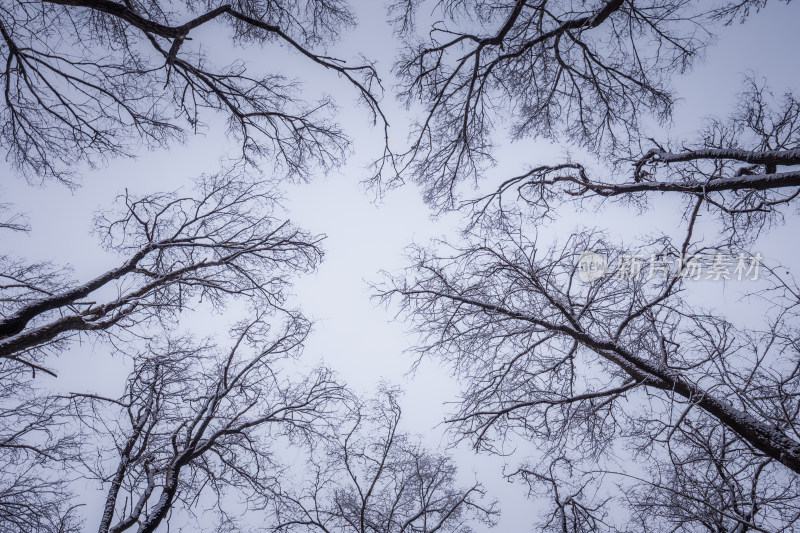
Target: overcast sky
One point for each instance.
(353, 335)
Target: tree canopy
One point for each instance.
(622, 399)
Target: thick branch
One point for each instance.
(769, 440)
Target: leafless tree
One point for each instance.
(373, 478)
(15, 222)
(178, 249)
(625, 362)
(84, 81)
(198, 422)
(744, 168)
(616, 371)
(90, 79)
(34, 440)
(709, 482)
(582, 71)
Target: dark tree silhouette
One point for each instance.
(85, 81)
(34, 436)
(607, 372)
(177, 249)
(586, 72)
(590, 370)
(221, 242)
(88, 80)
(198, 421)
(373, 478)
(744, 168)
(14, 222)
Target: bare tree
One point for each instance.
(586, 72)
(32, 440)
(373, 478)
(744, 168)
(79, 80)
(177, 249)
(606, 373)
(35, 444)
(197, 421)
(84, 81)
(586, 370)
(708, 481)
(15, 222)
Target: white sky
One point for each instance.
(353, 335)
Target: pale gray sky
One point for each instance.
(356, 337)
